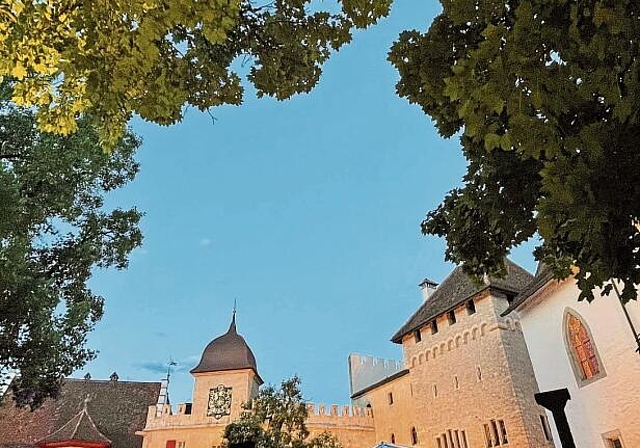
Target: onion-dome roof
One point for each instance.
(227, 352)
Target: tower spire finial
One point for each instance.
(232, 327)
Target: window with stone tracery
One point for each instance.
(581, 347)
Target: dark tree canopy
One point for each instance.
(276, 419)
(54, 230)
(545, 98)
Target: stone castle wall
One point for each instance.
(353, 426)
(462, 379)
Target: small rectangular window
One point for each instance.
(452, 317)
(435, 391)
(616, 443)
(495, 437)
(463, 435)
(417, 335)
(414, 436)
(614, 440)
(503, 432)
(487, 436)
(456, 383)
(390, 397)
(545, 427)
(471, 307)
(434, 326)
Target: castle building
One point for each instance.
(225, 378)
(87, 414)
(467, 379)
(590, 350)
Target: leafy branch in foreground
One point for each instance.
(546, 98)
(54, 230)
(276, 419)
(112, 59)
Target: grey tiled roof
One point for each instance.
(457, 288)
(543, 276)
(118, 409)
(81, 428)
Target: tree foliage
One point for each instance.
(113, 58)
(545, 96)
(276, 419)
(54, 230)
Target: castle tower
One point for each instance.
(226, 377)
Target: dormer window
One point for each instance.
(471, 307)
(434, 326)
(417, 335)
(452, 317)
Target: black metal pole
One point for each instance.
(555, 401)
(636, 335)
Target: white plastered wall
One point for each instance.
(608, 404)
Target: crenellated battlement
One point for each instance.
(365, 371)
(333, 418)
(334, 410)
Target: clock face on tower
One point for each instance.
(219, 401)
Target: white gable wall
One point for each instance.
(610, 403)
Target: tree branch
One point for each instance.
(14, 156)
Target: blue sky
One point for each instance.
(307, 211)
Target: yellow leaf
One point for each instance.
(19, 71)
(18, 7)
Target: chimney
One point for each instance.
(427, 287)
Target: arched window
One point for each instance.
(414, 436)
(585, 361)
(393, 438)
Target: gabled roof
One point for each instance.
(543, 276)
(456, 289)
(117, 408)
(80, 428)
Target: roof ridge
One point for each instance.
(93, 425)
(107, 381)
(458, 287)
(82, 413)
(73, 435)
